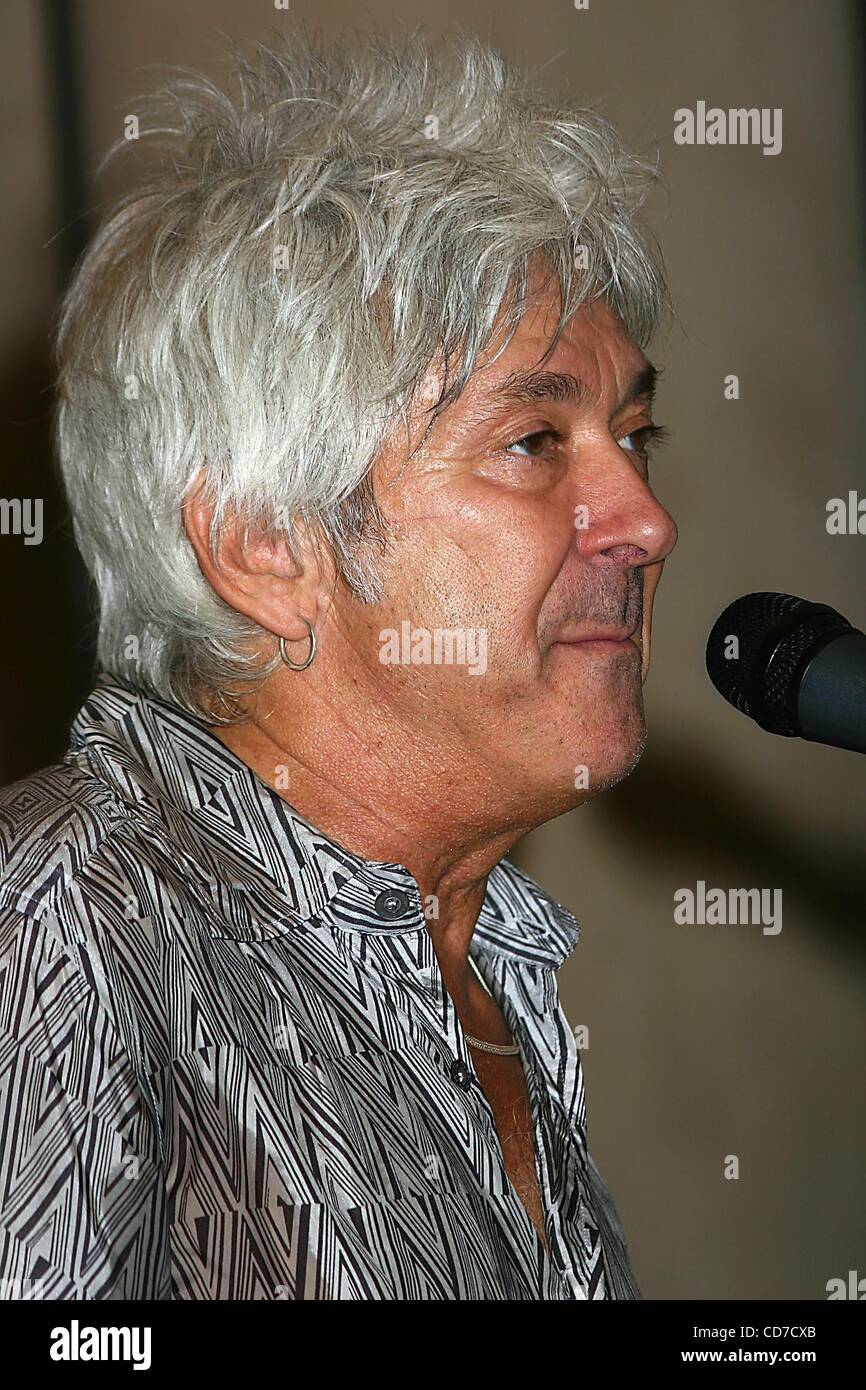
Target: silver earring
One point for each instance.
(299, 665)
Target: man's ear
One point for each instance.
(263, 578)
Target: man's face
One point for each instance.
(525, 521)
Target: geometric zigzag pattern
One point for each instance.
(225, 1075)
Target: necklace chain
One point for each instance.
(500, 1049)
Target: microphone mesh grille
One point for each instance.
(747, 619)
(776, 634)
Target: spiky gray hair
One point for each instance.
(266, 305)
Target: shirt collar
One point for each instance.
(262, 865)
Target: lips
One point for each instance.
(599, 634)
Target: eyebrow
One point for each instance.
(529, 387)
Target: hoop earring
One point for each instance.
(299, 665)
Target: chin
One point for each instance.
(629, 757)
(613, 751)
(609, 760)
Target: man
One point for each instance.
(354, 424)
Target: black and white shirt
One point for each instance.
(229, 1068)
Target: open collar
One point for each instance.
(261, 864)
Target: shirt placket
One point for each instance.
(463, 1072)
(560, 1267)
(401, 905)
(565, 1124)
(408, 971)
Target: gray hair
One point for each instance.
(265, 307)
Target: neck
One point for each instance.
(405, 805)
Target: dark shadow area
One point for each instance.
(47, 629)
(44, 628)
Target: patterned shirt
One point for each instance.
(229, 1068)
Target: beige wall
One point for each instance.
(703, 1041)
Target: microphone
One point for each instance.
(796, 668)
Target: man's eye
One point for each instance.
(642, 440)
(531, 441)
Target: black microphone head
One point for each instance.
(758, 650)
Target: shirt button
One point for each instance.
(461, 1074)
(391, 903)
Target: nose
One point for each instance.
(620, 520)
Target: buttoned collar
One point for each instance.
(261, 865)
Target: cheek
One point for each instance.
(472, 551)
(499, 558)
(501, 538)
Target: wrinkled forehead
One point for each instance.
(593, 362)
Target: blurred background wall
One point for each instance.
(704, 1041)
